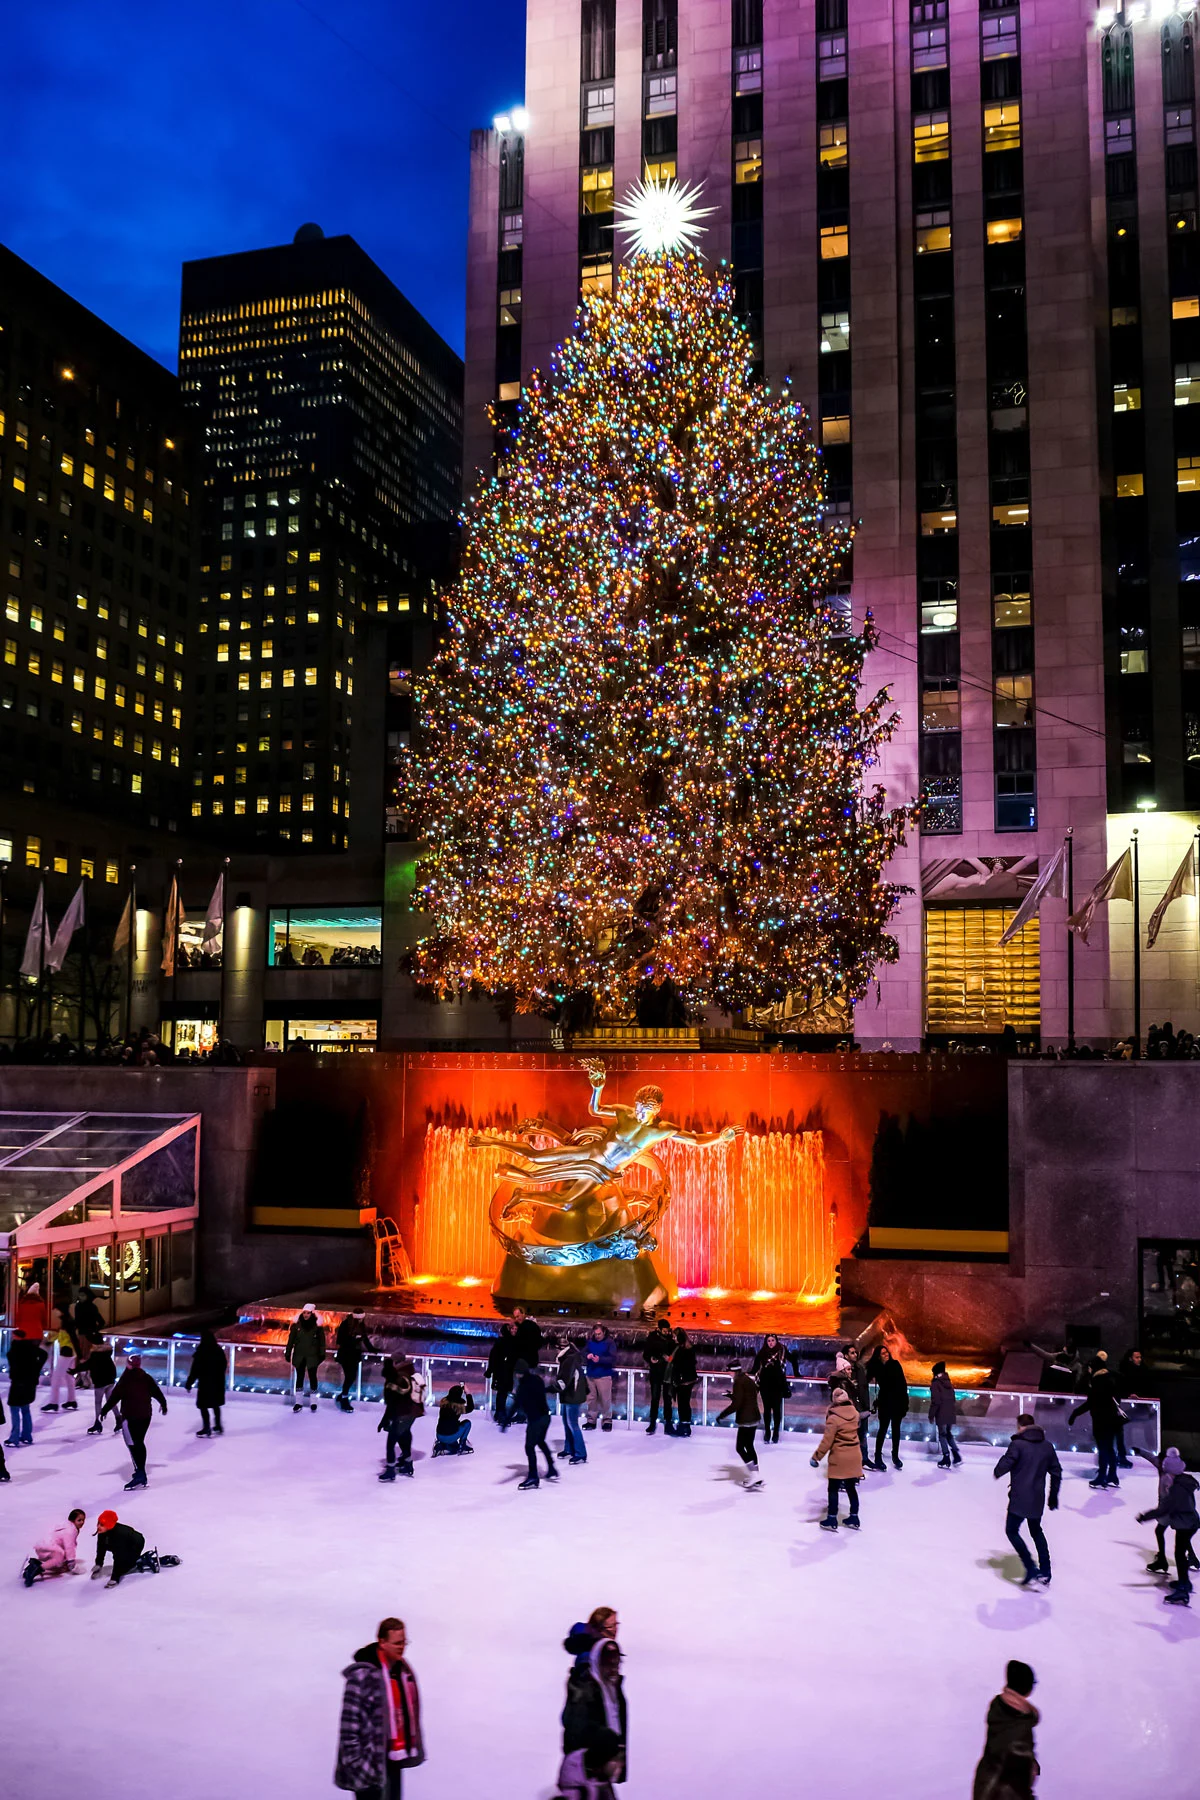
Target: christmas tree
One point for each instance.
(639, 752)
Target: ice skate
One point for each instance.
(4, 1475)
(218, 1431)
(829, 1524)
(112, 1581)
(405, 1468)
(529, 1482)
(1159, 1566)
(388, 1474)
(31, 1571)
(96, 1430)
(312, 1406)
(139, 1480)
(853, 1523)
(296, 1407)
(1178, 1597)
(754, 1484)
(650, 1430)
(896, 1463)
(50, 1406)
(168, 1562)
(943, 1464)
(73, 1406)
(206, 1432)
(606, 1425)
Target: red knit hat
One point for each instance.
(105, 1522)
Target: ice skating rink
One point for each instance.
(764, 1658)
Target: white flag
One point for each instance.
(124, 937)
(69, 924)
(214, 919)
(1117, 884)
(36, 937)
(1182, 882)
(1050, 884)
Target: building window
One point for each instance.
(999, 35)
(662, 168)
(595, 196)
(747, 71)
(1179, 126)
(835, 332)
(1004, 231)
(596, 274)
(835, 428)
(599, 105)
(940, 707)
(508, 390)
(931, 137)
(929, 47)
(1187, 473)
(939, 615)
(1187, 307)
(660, 96)
(831, 56)
(833, 144)
(971, 985)
(1130, 487)
(934, 524)
(932, 232)
(835, 242)
(1118, 136)
(1126, 399)
(1187, 384)
(320, 937)
(1002, 126)
(747, 160)
(33, 852)
(1014, 699)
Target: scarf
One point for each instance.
(1018, 1702)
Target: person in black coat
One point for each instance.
(943, 1411)
(529, 1397)
(26, 1360)
(1030, 1462)
(596, 1702)
(1106, 1415)
(88, 1320)
(210, 1367)
(101, 1371)
(657, 1352)
(684, 1376)
(350, 1346)
(891, 1403)
(1177, 1511)
(528, 1335)
(1008, 1767)
(768, 1367)
(857, 1383)
(501, 1357)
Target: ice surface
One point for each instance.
(764, 1658)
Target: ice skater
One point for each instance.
(133, 1399)
(128, 1550)
(841, 1443)
(601, 1622)
(770, 1371)
(26, 1360)
(1106, 1416)
(306, 1352)
(891, 1403)
(1008, 1767)
(1176, 1510)
(501, 1357)
(684, 1376)
(529, 1397)
(599, 1361)
(943, 1412)
(1030, 1462)
(351, 1345)
(595, 1703)
(453, 1427)
(403, 1405)
(657, 1352)
(101, 1371)
(1168, 1465)
(857, 1383)
(379, 1733)
(62, 1369)
(58, 1552)
(89, 1322)
(743, 1404)
(208, 1374)
(572, 1397)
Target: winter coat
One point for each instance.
(891, 1396)
(1132, 1378)
(1029, 1459)
(26, 1360)
(743, 1401)
(1009, 1739)
(88, 1322)
(135, 1395)
(841, 1442)
(683, 1367)
(527, 1342)
(943, 1406)
(860, 1385)
(1102, 1404)
(209, 1369)
(306, 1344)
(585, 1714)
(58, 1548)
(501, 1357)
(450, 1414)
(658, 1349)
(768, 1365)
(1177, 1509)
(101, 1367)
(529, 1396)
(125, 1544)
(352, 1343)
(572, 1381)
(401, 1394)
(599, 1357)
(363, 1730)
(1169, 1465)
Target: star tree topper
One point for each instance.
(661, 218)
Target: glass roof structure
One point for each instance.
(53, 1163)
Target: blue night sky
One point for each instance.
(138, 136)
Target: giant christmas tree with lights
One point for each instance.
(640, 754)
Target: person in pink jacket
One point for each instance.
(57, 1554)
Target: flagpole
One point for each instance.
(224, 951)
(83, 968)
(41, 953)
(1137, 956)
(131, 949)
(1070, 941)
(175, 958)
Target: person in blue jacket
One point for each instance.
(598, 1361)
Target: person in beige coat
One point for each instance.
(841, 1444)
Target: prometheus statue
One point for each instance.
(562, 1208)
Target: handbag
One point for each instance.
(787, 1390)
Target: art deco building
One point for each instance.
(966, 230)
(329, 416)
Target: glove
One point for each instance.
(1142, 1518)
(1052, 1506)
(813, 1463)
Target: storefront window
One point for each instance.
(971, 984)
(324, 937)
(322, 1034)
(196, 1036)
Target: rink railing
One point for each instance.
(985, 1415)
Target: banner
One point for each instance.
(1117, 884)
(69, 924)
(1050, 884)
(214, 919)
(36, 936)
(1182, 882)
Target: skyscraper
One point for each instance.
(328, 414)
(965, 231)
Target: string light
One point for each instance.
(639, 752)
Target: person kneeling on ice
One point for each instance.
(743, 1404)
(379, 1734)
(403, 1405)
(57, 1552)
(452, 1429)
(589, 1774)
(841, 1442)
(128, 1549)
(1177, 1511)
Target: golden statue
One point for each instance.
(563, 1209)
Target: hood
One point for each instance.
(1032, 1434)
(847, 1409)
(594, 1655)
(1184, 1484)
(368, 1654)
(1173, 1463)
